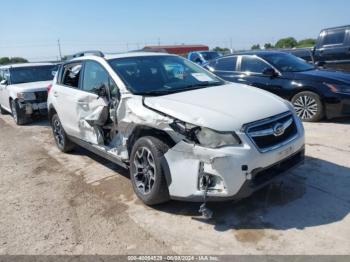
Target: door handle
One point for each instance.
(241, 80)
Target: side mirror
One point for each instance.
(101, 91)
(270, 72)
(4, 82)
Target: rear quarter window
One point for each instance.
(224, 64)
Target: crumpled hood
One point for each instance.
(31, 87)
(324, 75)
(222, 108)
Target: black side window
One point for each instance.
(1, 75)
(225, 64)
(71, 75)
(253, 64)
(334, 37)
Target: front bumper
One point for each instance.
(338, 106)
(33, 107)
(242, 169)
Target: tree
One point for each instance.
(308, 42)
(268, 46)
(256, 47)
(12, 60)
(221, 49)
(288, 42)
(15, 60)
(4, 60)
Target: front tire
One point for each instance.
(62, 141)
(2, 111)
(308, 106)
(146, 172)
(18, 115)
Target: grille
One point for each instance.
(272, 133)
(41, 96)
(265, 175)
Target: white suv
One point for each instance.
(183, 132)
(23, 89)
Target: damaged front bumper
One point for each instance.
(33, 107)
(235, 172)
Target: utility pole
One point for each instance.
(158, 41)
(59, 48)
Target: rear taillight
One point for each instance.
(49, 88)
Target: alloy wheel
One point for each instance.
(305, 107)
(145, 170)
(58, 132)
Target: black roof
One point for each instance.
(257, 52)
(336, 27)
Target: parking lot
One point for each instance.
(52, 203)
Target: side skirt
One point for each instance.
(98, 152)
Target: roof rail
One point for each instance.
(90, 52)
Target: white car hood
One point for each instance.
(31, 87)
(222, 108)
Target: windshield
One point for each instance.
(158, 75)
(28, 74)
(210, 55)
(287, 62)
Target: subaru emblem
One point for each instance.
(278, 129)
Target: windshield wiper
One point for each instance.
(200, 85)
(182, 89)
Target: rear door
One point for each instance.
(333, 47)
(226, 68)
(66, 94)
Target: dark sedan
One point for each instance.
(315, 93)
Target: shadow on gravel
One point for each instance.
(39, 121)
(338, 121)
(314, 194)
(114, 167)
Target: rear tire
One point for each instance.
(18, 115)
(62, 141)
(308, 106)
(146, 172)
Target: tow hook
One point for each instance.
(206, 212)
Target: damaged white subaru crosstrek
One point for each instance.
(182, 132)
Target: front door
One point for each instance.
(252, 68)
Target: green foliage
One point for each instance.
(308, 42)
(256, 47)
(268, 46)
(288, 42)
(220, 49)
(12, 60)
(4, 60)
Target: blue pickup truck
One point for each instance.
(332, 49)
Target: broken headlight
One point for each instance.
(26, 96)
(214, 139)
(204, 136)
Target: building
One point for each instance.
(176, 49)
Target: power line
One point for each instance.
(59, 48)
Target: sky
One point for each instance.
(31, 28)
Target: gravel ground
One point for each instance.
(78, 203)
